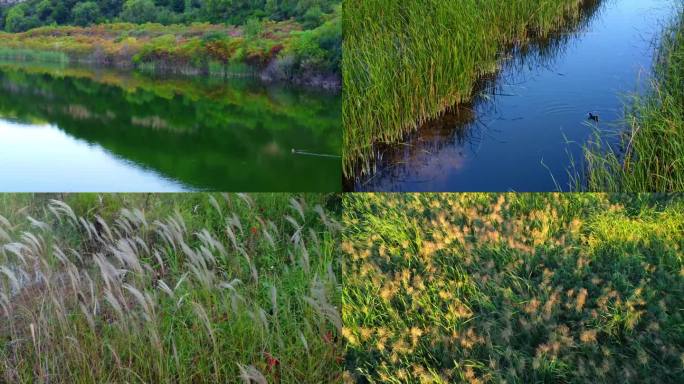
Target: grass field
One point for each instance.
(407, 61)
(650, 157)
(513, 288)
(169, 289)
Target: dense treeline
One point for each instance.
(34, 13)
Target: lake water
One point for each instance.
(65, 129)
(526, 128)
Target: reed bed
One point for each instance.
(407, 61)
(650, 154)
(513, 288)
(169, 289)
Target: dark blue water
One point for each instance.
(526, 129)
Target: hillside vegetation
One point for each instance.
(276, 40)
(34, 13)
(513, 288)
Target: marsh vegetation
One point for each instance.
(565, 107)
(649, 155)
(420, 57)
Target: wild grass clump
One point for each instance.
(407, 61)
(513, 288)
(169, 289)
(650, 156)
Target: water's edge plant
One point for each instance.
(649, 154)
(407, 62)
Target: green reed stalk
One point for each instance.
(651, 154)
(407, 61)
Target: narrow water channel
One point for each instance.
(68, 129)
(525, 130)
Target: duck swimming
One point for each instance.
(593, 117)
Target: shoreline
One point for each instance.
(280, 52)
(648, 155)
(314, 80)
(361, 162)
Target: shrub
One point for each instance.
(253, 28)
(86, 13)
(139, 11)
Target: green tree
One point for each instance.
(60, 13)
(110, 9)
(313, 17)
(16, 20)
(217, 11)
(139, 11)
(85, 14)
(253, 28)
(271, 7)
(44, 10)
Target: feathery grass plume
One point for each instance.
(60, 208)
(108, 297)
(319, 301)
(15, 286)
(250, 375)
(38, 224)
(297, 235)
(35, 243)
(4, 236)
(506, 288)
(125, 252)
(214, 203)
(19, 250)
(247, 199)
(252, 267)
(297, 206)
(5, 222)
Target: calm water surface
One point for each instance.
(71, 129)
(526, 128)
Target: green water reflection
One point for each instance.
(203, 134)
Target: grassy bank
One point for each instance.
(277, 51)
(650, 155)
(407, 61)
(515, 288)
(169, 288)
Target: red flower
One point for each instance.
(271, 361)
(254, 230)
(328, 337)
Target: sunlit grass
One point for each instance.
(406, 61)
(513, 288)
(169, 288)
